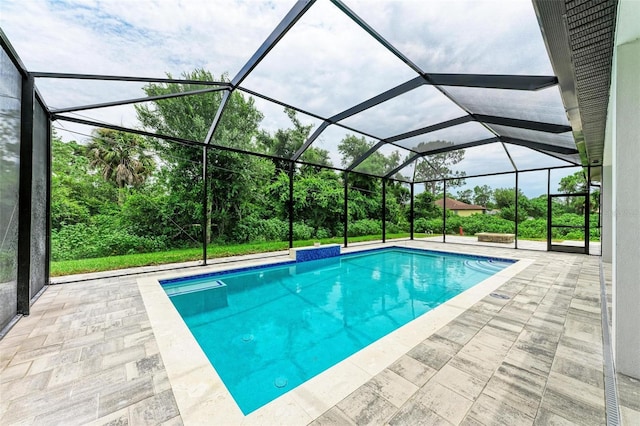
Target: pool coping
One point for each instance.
(202, 397)
(179, 277)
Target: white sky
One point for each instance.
(325, 64)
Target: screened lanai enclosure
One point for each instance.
(291, 122)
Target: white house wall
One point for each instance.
(624, 144)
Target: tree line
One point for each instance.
(120, 193)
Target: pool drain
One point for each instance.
(280, 382)
(247, 338)
(500, 296)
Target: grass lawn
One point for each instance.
(81, 266)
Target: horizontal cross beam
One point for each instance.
(135, 100)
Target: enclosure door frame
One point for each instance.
(585, 227)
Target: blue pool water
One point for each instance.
(267, 330)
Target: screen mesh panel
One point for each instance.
(39, 212)
(543, 105)
(10, 99)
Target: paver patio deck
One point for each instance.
(88, 354)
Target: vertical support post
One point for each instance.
(205, 203)
(516, 230)
(444, 210)
(548, 209)
(24, 196)
(605, 217)
(291, 169)
(384, 210)
(411, 212)
(600, 192)
(599, 206)
(346, 208)
(47, 248)
(587, 211)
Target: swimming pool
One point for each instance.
(268, 329)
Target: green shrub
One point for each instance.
(476, 223)
(121, 242)
(323, 233)
(392, 228)
(275, 229)
(509, 213)
(72, 242)
(572, 219)
(67, 212)
(454, 222)
(533, 228)
(302, 231)
(7, 265)
(364, 227)
(396, 228)
(82, 242)
(427, 226)
(145, 214)
(253, 229)
(574, 235)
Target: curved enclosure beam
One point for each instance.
(302, 111)
(506, 151)
(402, 166)
(373, 33)
(439, 81)
(522, 124)
(309, 141)
(383, 97)
(216, 119)
(135, 100)
(70, 76)
(364, 156)
(494, 81)
(276, 35)
(539, 145)
(187, 142)
(432, 128)
(459, 146)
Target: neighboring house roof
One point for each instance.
(452, 204)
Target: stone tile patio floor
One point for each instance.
(87, 355)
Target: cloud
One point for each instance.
(325, 64)
(413, 110)
(484, 36)
(139, 37)
(135, 38)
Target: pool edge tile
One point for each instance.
(200, 394)
(202, 397)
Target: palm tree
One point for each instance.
(121, 159)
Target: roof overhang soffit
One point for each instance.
(579, 37)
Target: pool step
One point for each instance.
(486, 266)
(197, 298)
